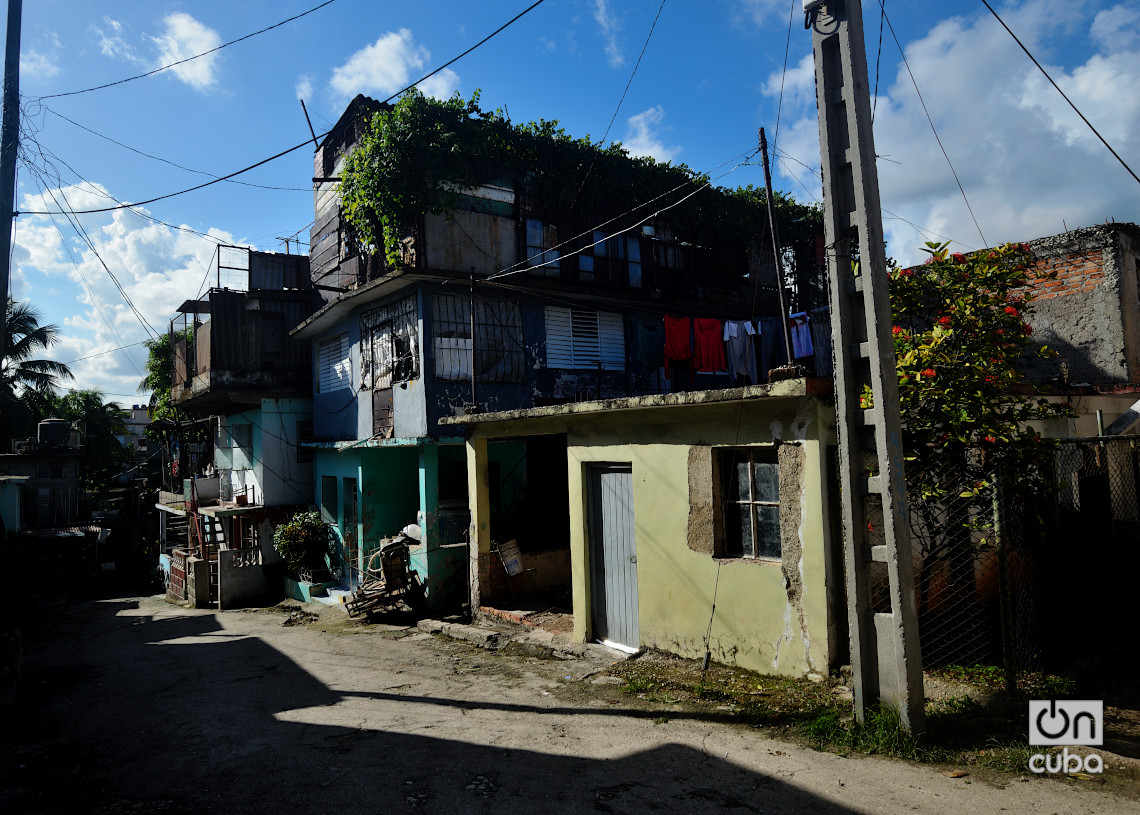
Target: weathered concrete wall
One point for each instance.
(459, 240)
(241, 578)
(1089, 314)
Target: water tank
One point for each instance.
(54, 432)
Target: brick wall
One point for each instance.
(1080, 271)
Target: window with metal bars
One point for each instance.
(581, 338)
(750, 502)
(499, 356)
(389, 348)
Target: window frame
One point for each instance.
(730, 502)
(539, 239)
(390, 345)
(329, 502)
(334, 364)
(572, 345)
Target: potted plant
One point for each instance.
(304, 543)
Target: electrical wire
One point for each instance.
(104, 353)
(165, 160)
(613, 118)
(95, 302)
(937, 138)
(878, 59)
(1058, 89)
(783, 74)
(189, 59)
(524, 265)
(296, 147)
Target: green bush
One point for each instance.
(304, 542)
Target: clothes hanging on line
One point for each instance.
(820, 321)
(801, 335)
(738, 335)
(772, 353)
(648, 344)
(709, 345)
(678, 341)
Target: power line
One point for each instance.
(305, 143)
(72, 217)
(104, 353)
(1058, 88)
(613, 118)
(524, 265)
(164, 160)
(783, 74)
(83, 280)
(937, 138)
(190, 59)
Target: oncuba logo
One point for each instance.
(1066, 723)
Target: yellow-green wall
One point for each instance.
(758, 624)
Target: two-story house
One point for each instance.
(236, 368)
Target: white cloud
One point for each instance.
(610, 25)
(304, 86)
(112, 44)
(642, 138)
(761, 13)
(186, 37)
(387, 66)
(35, 65)
(1028, 164)
(158, 266)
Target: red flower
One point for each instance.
(1010, 310)
(898, 329)
(1027, 328)
(959, 257)
(944, 321)
(1000, 331)
(929, 372)
(870, 527)
(906, 272)
(989, 439)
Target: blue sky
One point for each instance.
(710, 76)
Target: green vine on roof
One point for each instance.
(418, 156)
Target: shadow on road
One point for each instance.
(131, 713)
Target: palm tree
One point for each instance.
(26, 382)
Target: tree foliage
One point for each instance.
(100, 424)
(159, 377)
(418, 156)
(26, 380)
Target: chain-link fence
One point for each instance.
(1026, 578)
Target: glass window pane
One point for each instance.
(767, 480)
(634, 275)
(534, 232)
(634, 249)
(586, 263)
(600, 248)
(740, 476)
(747, 523)
(767, 531)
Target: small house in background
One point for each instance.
(239, 376)
(51, 463)
(506, 302)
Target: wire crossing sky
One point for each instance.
(214, 87)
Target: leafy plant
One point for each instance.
(304, 542)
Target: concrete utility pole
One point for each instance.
(9, 134)
(885, 657)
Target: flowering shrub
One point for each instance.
(959, 331)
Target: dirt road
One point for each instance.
(133, 705)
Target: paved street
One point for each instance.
(139, 706)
